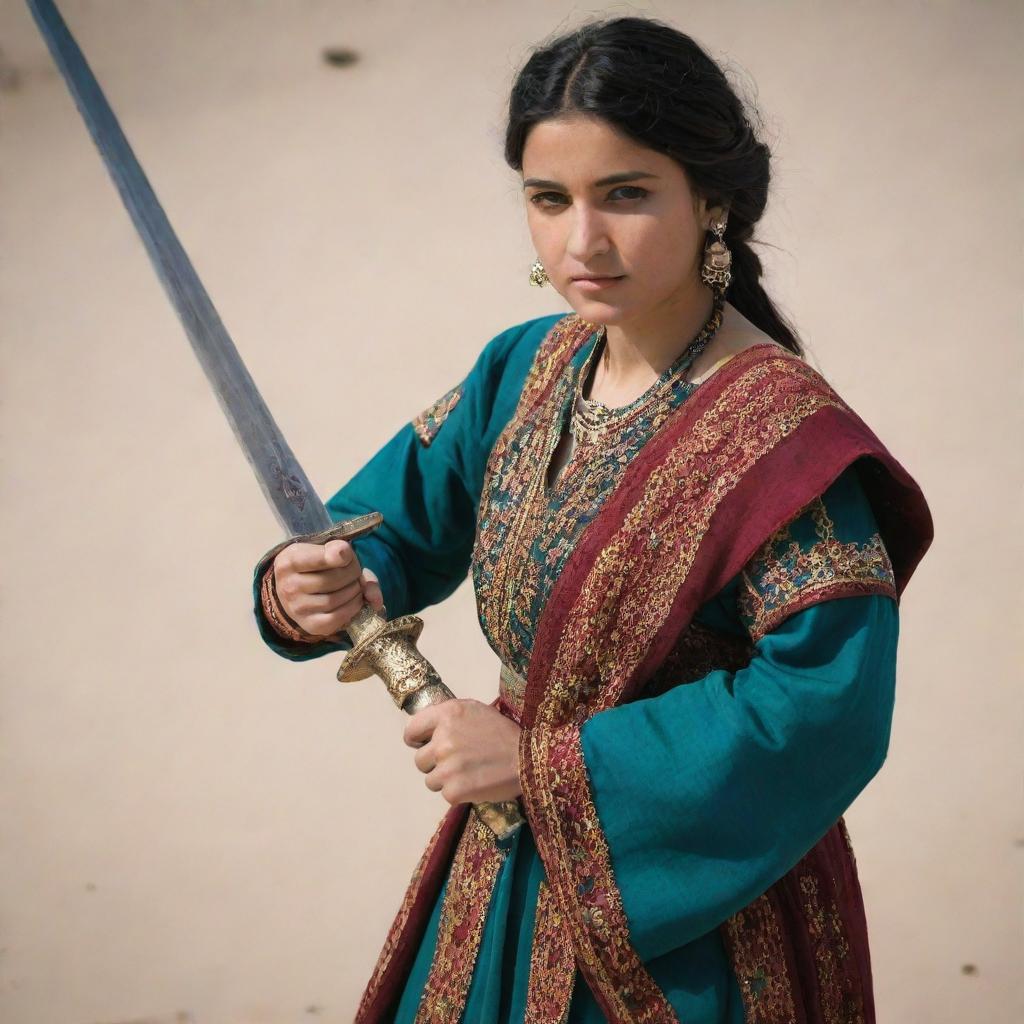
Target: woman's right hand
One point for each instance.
(323, 586)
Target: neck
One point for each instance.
(643, 349)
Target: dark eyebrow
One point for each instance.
(612, 179)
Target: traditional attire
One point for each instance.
(698, 706)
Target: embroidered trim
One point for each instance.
(428, 422)
(840, 1003)
(783, 577)
(512, 689)
(571, 839)
(397, 929)
(478, 859)
(513, 504)
(552, 963)
(756, 412)
(758, 958)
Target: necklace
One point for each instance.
(592, 421)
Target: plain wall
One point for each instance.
(194, 829)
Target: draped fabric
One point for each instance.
(697, 624)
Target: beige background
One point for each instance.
(197, 830)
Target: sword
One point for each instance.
(382, 647)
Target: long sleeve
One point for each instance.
(426, 481)
(708, 793)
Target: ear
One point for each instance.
(713, 214)
(706, 213)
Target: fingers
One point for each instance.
(372, 592)
(303, 603)
(329, 623)
(323, 586)
(425, 760)
(315, 569)
(335, 554)
(326, 582)
(420, 726)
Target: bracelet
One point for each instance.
(279, 619)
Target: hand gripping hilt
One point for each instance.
(387, 648)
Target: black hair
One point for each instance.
(656, 85)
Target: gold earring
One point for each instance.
(714, 271)
(538, 275)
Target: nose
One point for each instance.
(588, 234)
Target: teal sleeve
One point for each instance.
(426, 481)
(710, 792)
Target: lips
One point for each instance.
(596, 284)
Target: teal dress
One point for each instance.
(757, 763)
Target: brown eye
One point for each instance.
(547, 199)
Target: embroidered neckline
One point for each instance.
(590, 420)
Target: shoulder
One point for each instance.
(518, 345)
(780, 377)
(526, 354)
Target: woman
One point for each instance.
(687, 552)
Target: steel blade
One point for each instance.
(283, 481)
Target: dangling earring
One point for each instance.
(538, 275)
(714, 271)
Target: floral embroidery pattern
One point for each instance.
(552, 964)
(510, 513)
(612, 621)
(478, 859)
(583, 880)
(428, 422)
(759, 961)
(784, 576)
(840, 1004)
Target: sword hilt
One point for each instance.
(387, 648)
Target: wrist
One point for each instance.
(280, 621)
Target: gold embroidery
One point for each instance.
(758, 959)
(783, 577)
(428, 422)
(501, 554)
(552, 964)
(474, 870)
(571, 839)
(512, 690)
(598, 649)
(840, 1003)
(757, 411)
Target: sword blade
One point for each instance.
(283, 481)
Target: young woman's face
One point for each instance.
(643, 232)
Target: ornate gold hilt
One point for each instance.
(387, 648)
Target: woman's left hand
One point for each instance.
(468, 750)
